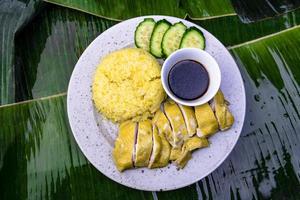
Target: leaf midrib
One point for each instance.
(262, 38)
(34, 100)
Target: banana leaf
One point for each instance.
(124, 9)
(38, 155)
(13, 16)
(231, 35)
(40, 160)
(265, 162)
(253, 10)
(56, 38)
(203, 9)
(247, 10)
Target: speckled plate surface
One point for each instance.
(95, 135)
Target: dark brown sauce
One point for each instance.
(188, 79)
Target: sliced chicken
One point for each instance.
(176, 120)
(164, 127)
(207, 122)
(170, 135)
(164, 155)
(124, 145)
(144, 144)
(183, 155)
(223, 115)
(175, 153)
(195, 142)
(183, 158)
(156, 148)
(189, 118)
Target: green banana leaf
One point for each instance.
(56, 38)
(265, 163)
(124, 9)
(248, 10)
(13, 16)
(231, 35)
(40, 159)
(203, 9)
(253, 10)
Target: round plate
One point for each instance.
(95, 135)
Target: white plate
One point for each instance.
(95, 135)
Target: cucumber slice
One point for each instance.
(193, 37)
(172, 38)
(157, 36)
(143, 33)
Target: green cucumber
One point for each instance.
(172, 38)
(143, 33)
(157, 36)
(193, 37)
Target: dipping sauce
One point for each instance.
(188, 79)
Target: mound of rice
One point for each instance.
(127, 85)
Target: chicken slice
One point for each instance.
(175, 153)
(223, 115)
(189, 118)
(176, 120)
(195, 142)
(124, 145)
(183, 155)
(144, 144)
(157, 147)
(207, 122)
(164, 155)
(164, 127)
(183, 158)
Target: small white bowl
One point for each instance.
(206, 60)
